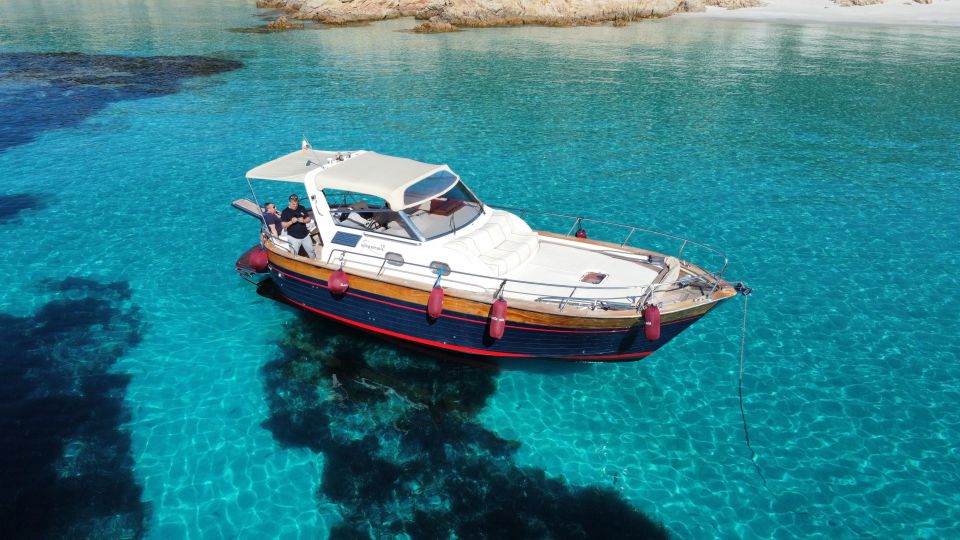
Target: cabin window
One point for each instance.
(440, 268)
(446, 213)
(366, 213)
(428, 188)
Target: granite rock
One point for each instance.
(487, 12)
(857, 2)
(735, 4)
(435, 27)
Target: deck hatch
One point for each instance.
(593, 278)
(347, 239)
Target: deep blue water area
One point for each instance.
(11, 206)
(52, 90)
(66, 464)
(139, 368)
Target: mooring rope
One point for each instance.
(743, 415)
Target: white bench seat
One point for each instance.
(504, 243)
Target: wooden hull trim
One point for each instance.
(519, 311)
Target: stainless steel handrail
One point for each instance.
(579, 220)
(276, 239)
(634, 300)
(498, 280)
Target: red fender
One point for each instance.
(582, 233)
(258, 259)
(498, 318)
(435, 303)
(651, 323)
(338, 283)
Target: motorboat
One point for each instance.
(405, 250)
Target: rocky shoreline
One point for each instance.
(488, 13)
(449, 15)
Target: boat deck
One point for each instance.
(552, 271)
(564, 265)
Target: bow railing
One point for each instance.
(563, 295)
(577, 222)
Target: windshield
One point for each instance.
(444, 214)
(428, 188)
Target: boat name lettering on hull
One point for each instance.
(373, 246)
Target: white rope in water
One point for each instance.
(743, 415)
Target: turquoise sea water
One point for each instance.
(823, 159)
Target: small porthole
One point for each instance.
(440, 268)
(394, 259)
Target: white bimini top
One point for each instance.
(401, 182)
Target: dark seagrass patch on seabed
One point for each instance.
(403, 452)
(11, 206)
(66, 463)
(53, 90)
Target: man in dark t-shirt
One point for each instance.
(294, 219)
(271, 218)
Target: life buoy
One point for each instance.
(498, 318)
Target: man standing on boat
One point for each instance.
(294, 219)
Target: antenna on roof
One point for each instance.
(306, 147)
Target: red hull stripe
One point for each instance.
(286, 274)
(447, 347)
(612, 356)
(398, 335)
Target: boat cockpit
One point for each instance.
(432, 215)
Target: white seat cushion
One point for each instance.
(502, 244)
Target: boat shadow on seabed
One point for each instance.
(403, 451)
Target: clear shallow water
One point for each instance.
(822, 159)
